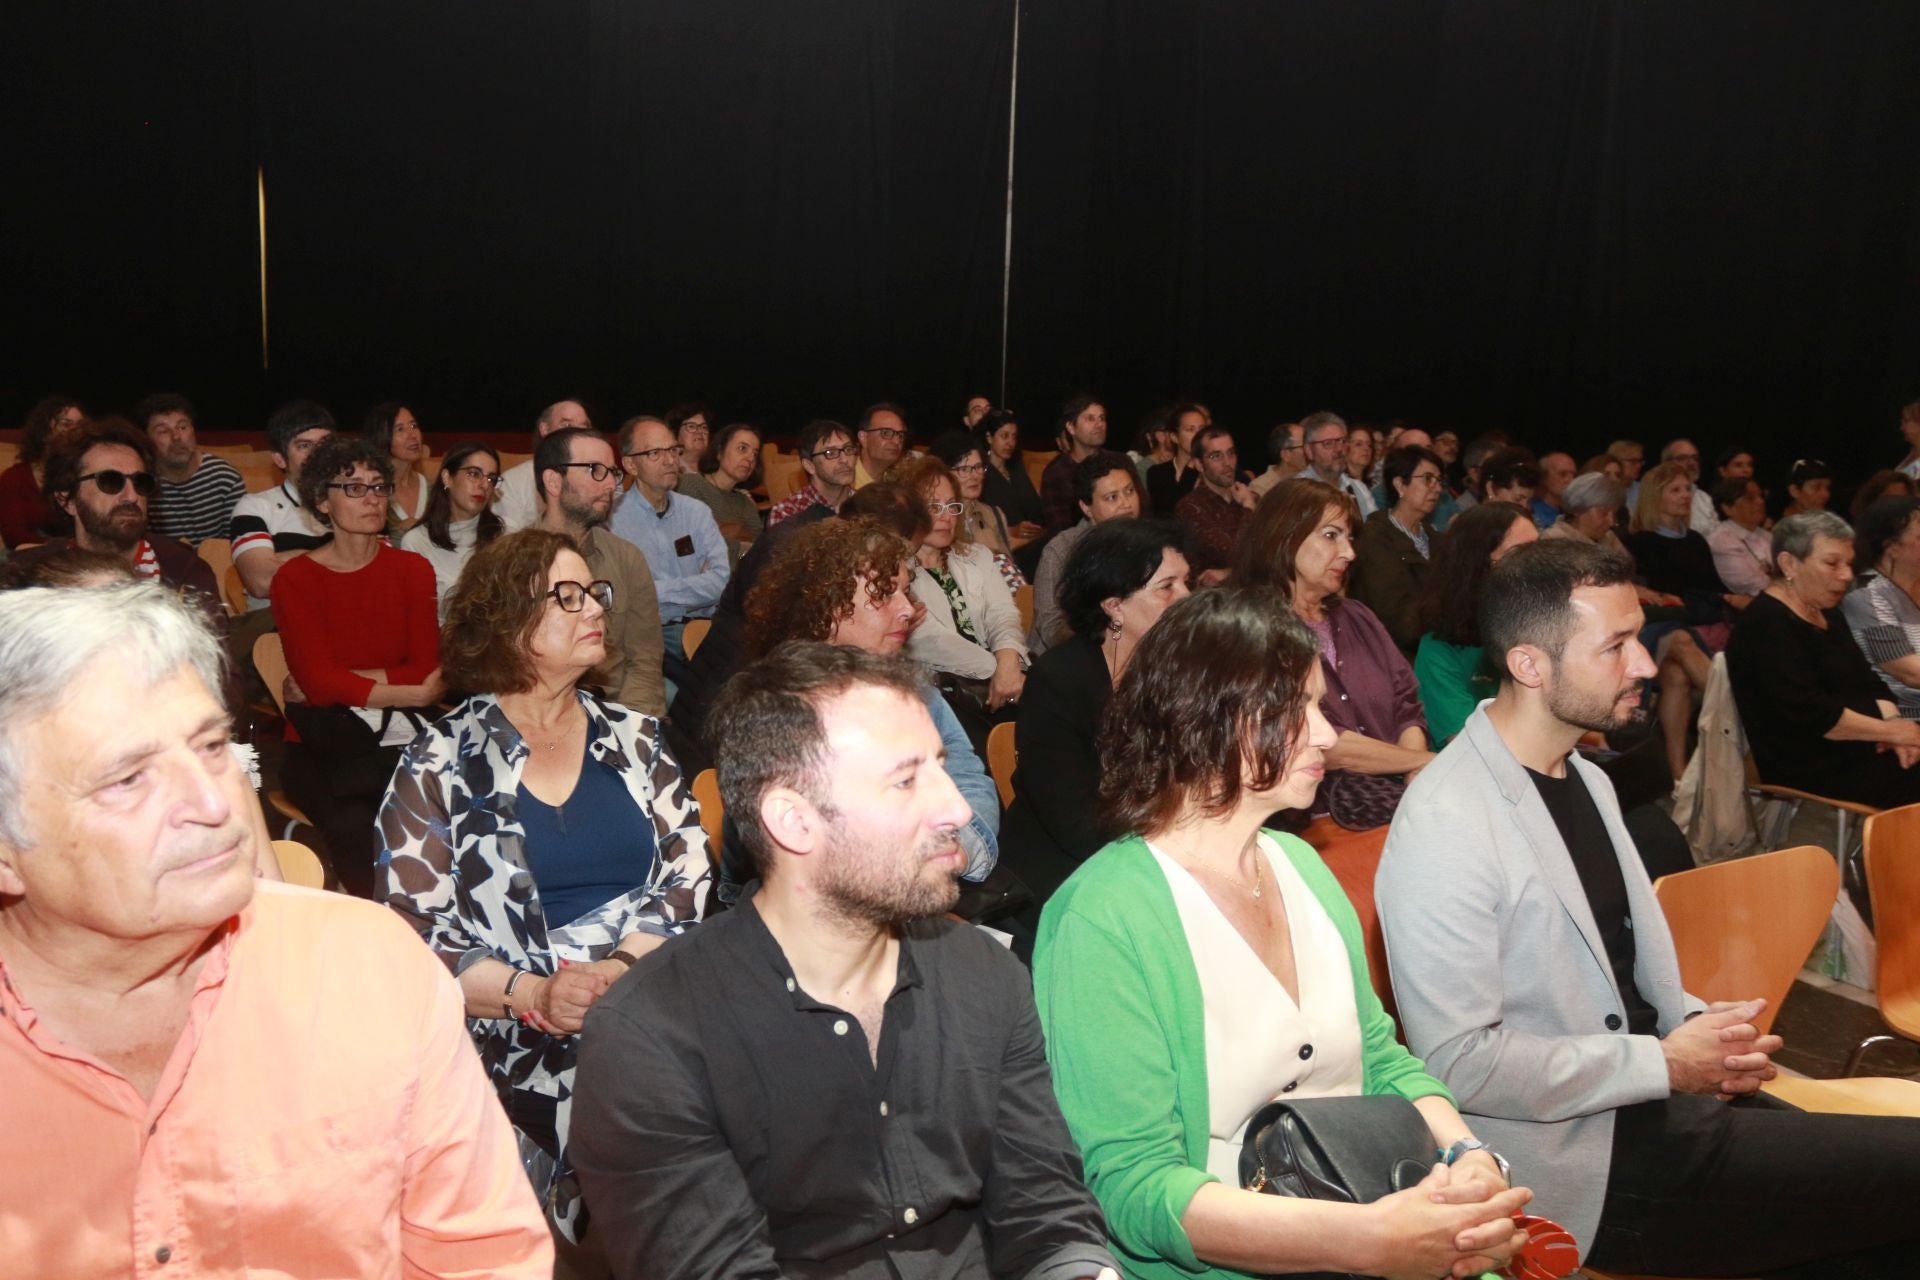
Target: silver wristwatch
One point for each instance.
(1465, 1145)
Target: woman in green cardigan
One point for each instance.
(1188, 974)
(1448, 662)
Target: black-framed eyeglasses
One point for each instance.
(831, 452)
(969, 468)
(674, 450)
(114, 481)
(598, 470)
(1220, 455)
(572, 596)
(491, 478)
(361, 488)
(885, 433)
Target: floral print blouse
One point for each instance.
(453, 862)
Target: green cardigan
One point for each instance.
(1119, 999)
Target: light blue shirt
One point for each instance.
(980, 838)
(684, 549)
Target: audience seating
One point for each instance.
(234, 590)
(1023, 601)
(1036, 462)
(782, 476)
(1354, 857)
(693, 633)
(299, 864)
(1001, 759)
(706, 794)
(1892, 840)
(270, 660)
(218, 553)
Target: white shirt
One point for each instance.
(1704, 519)
(446, 564)
(518, 503)
(1260, 1044)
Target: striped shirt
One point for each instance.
(200, 506)
(274, 520)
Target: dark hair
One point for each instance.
(1880, 525)
(296, 417)
(554, 452)
(1212, 700)
(161, 402)
(1462, 559)
(767, 731)
(1403, 462)
(1212, 431)
(951, 446)
(1113, 559)
(439, 511)
(68, 566)
(1728, 455)
(893, 506)
(1877, 486)
(717, 442)
(1097, 466)
(991, 421)
(1809, 469)
(335, 457)
(818, 432)
(882, 406)
(807, 587)
(679, 413)
(1729, 490)
(37, 431)
(1278, 439)
(1286, 517)
(1508, 468)
(493, 610)
(1529, 595)
(1073, 408)
(378, 425)
(65, 458)
(1156, 421)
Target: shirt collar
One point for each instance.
(766, 952)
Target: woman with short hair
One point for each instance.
(539, 838)
(729, 467)
(1884, 611)
(1201, 966)
(459, 518)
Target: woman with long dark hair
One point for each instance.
(392, 427)
(459, 518)
(1448, 664)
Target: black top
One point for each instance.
(1049, 830)
(1388, 572)
(1164, 492)
(1017, 499)
(726, 1123)
(1598, 863)
(1791, 680)
(1678, 566)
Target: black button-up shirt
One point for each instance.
(725, 1123)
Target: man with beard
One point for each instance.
(831, 1079)
(198, 490)
(102, 476)
(576, 477)
(1535, 974)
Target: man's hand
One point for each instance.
(1245, 496)
(1720, 1051)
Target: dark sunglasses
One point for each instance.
(111, 482)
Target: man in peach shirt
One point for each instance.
(206, 1076)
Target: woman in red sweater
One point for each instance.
(362, 638)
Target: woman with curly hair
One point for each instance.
(25, 513)
(538, 837)
(849, 582)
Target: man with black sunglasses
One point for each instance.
(102, 476)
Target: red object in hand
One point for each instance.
(1549, 1253)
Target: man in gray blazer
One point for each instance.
(1535, 974)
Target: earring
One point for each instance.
(1113, 625)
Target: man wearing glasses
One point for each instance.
(678, 535)
(102, 477)
(883, 438)
(1287, 456)
(1703, 519)
(1217, 509)
(1326, 437)
(518, 504)
(577, 478)
(827, 456)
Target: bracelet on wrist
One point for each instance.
(506, 997)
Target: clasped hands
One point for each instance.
(1457, 1221)
(1721, 1052)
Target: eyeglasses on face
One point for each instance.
(111, 482)
(695, 424)
(969, 468)
(361, 488)
(598, 470)
(885, 433)
(945, 508)
(1220, 455)
(670, 450)
(831, 452)
(572, 596)
(490, 478)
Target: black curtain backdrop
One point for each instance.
(1572, 221)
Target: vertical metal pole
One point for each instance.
(1006, 261)
(260, 190)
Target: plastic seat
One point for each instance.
(299, 864)
(693, 633)
(1892, 841)
(706, 794)
(270, 660)
(1002, 757)
(1023, 601)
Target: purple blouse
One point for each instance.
(1370, 688)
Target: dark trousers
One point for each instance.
(1758, 1188)
(342, 797)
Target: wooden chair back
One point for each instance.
(1002, 757)
(233, 590)
(706, 794)
(1893, 882)
(1023, 601)
(218, 553)
(1036, 462)
(693, 633)
(270, 660)
(1354, 857)
(783, 476)
(299, 864)
(1744, 928)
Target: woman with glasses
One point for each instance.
(539, 838)
(972, 638)
(392, 427)
(1005, 484)
(729, 467)
(459, 518)
(985, 523)
(362, 638)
